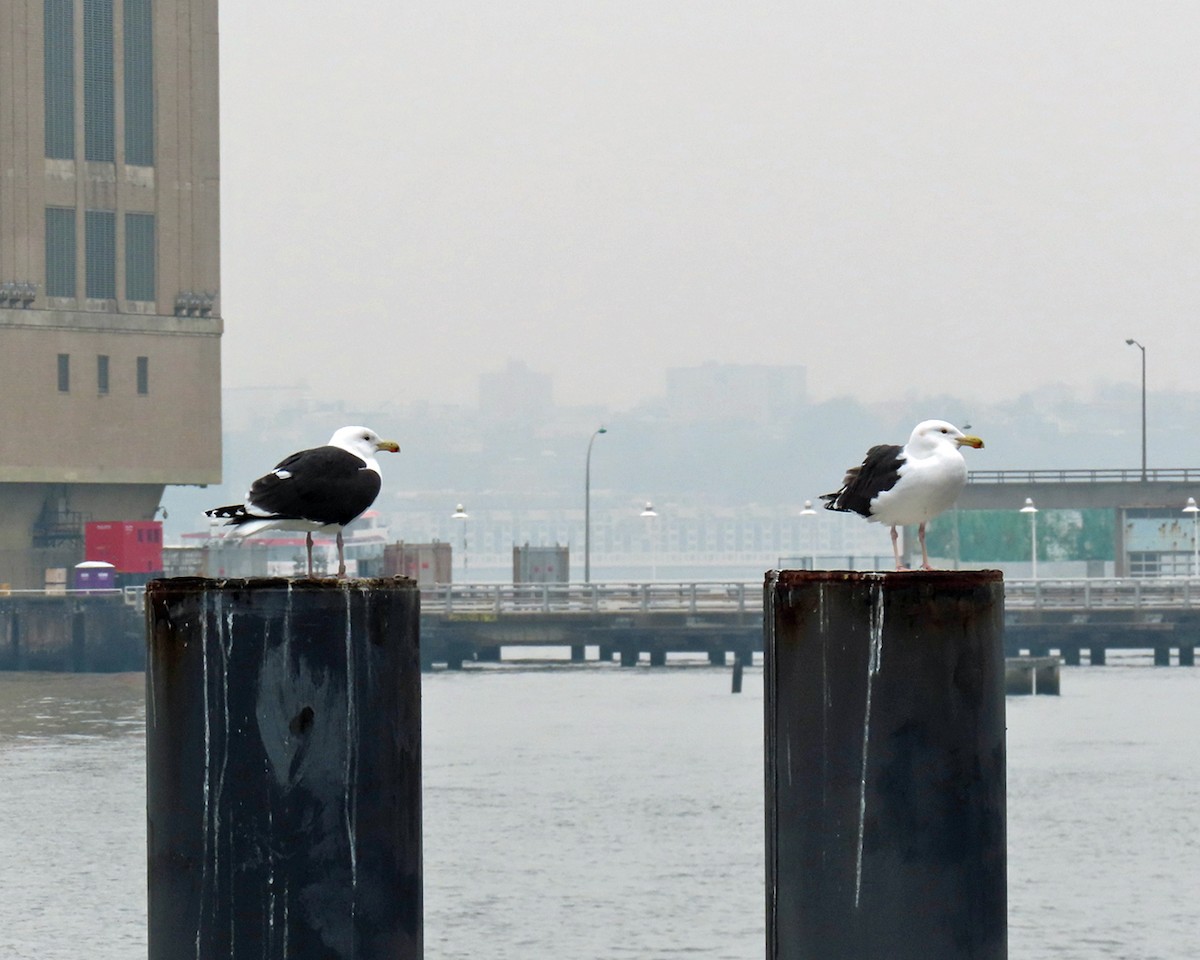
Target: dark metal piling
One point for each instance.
(885, 787)
(283, 780)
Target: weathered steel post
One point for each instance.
(283, 750)
(885, 787)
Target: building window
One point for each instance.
(98, 98)
(64, 373)
(143, 375)
(102, 374)
(139, 256)
(58, 81)
(139, 83)
(100, 251)
(60, 252)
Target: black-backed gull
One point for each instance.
(910, 484)
(321, 489)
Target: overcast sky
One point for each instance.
(931, 197)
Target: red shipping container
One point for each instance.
(132, 546)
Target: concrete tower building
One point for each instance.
(109, 267)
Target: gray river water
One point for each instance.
(579, 813)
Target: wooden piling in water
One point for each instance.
(885, 765)
(283, 747)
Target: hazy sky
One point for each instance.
(965, 198)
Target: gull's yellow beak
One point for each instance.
(391, 446)
(969, 441)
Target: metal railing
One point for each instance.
(731, 597)
(1073, 594)
(1134, 475)
(590, 598)
(1142, 593)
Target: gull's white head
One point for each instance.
(928, 435)
(362, 442)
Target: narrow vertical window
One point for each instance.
(100, 251)
(143, 375)
(98, 95)
(139, 83)
(58, 82)
(64, 373)
(102, 374)
(60, 252)
(139, 256)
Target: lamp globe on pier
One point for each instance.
(808, 511)
(1195, 512)
(650, 515)
(587, 507)
(461, 514)
(1030, 509)
(1133, 343)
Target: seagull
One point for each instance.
(910, 484)
(321, 489)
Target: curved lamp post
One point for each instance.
(1134, 343)
(587, 508)
(651, 515)
(1030, 509)
(461, 514)
(808, 511)
(1195, 512)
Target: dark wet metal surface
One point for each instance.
(885, 765)
(283, 769)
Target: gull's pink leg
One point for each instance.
(896, 549)
(924, 556)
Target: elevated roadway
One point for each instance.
(1080, 489)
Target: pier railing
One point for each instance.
(589, 598)
(1142, 593)
(731, 597)
(1099, 475)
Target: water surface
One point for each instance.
(593, 812)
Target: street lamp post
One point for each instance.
(461, 514)
(1195, 512)
(1134, 343)
(587, 508)
(651, 515)
(1030, 509)
(808, 511)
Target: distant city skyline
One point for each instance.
(921, 199)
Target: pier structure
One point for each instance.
(639, 622)
(1079, 620)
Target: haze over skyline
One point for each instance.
(968, 200)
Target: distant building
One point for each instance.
(109, 267)
(732, 392)
(541, 564)
(516, 393)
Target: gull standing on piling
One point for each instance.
(909, 484)
(317, 490)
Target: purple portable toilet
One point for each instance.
(95, 575)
